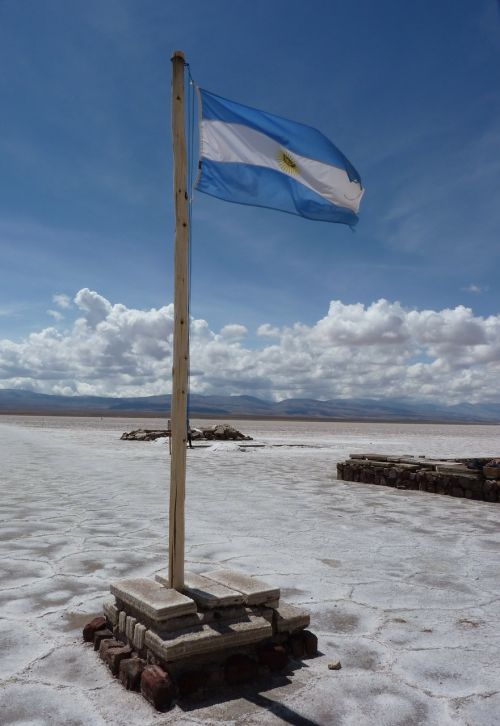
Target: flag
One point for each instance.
(252, 157)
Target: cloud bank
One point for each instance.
(380, 350)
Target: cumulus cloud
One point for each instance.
(95, 307)
(378, 350)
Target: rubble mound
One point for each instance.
(144, 435)
(217, 432)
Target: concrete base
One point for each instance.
(224, 627)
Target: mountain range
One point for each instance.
(13, 401)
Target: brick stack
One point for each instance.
(224, 628)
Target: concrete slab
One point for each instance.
(255, 592)
(289, 618)
(457, 468)
(206, 593)
(157, 602)
(209, 638)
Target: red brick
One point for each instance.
(131, 672)
(157, 687)
(90, 629)
(273, 656)
(303, 644)
(310, 644)
(107, 643)
(114, 657)
(100, 635)
(296, 645)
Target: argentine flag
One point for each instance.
(252, 157)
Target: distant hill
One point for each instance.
(14, 401)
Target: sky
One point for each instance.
(407, 305)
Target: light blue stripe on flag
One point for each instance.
(253, 157)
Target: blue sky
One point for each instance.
(408, 91)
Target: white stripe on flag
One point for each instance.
(227, 142)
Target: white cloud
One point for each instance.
(268, 331)
(95, 307)
(234, 331)
(378, 350)
(474, 288)
(61, 300)
(55, 314)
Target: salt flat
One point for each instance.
(403, 587)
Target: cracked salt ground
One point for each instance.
(402, 587)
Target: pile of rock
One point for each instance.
(224, 628)
(144, 435)
(470, 478)
(218, 432)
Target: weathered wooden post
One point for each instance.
(181, 332)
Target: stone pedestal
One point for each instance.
(222, 627)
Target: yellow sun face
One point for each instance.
(287, 163)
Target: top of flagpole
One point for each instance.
(178, 54)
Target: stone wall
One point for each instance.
(470, 478)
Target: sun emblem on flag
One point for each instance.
(287, 163)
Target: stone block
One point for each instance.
(92, 627)
(99, 635)
(205, 592)
(210, 637)
(130, 673)
(255, 592)
(111, 612)
(239, 669)
(452, 468)
(114, 656)
(139, 633)
(422, 463)
(157, 602)
(157, 687)
(288, 618)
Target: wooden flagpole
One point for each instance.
(181, 332)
